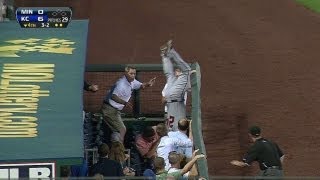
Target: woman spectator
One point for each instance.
(117, 153)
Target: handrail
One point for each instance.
(197, 121)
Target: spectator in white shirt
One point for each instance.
(175, 162)
(118, 97)
(168, 144)
(183, 126)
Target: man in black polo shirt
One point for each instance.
(267, 153)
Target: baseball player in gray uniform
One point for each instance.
(177, 85)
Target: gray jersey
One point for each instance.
(176, 87)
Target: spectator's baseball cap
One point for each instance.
(255, 130)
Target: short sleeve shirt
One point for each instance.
(162, 176)
(176, 171)
(265, 152)
(144, 146)
(186, 150)
(168, 144)
(123, 89)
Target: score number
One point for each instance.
(65, 19)
(45, 25)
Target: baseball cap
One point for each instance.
(255, 130)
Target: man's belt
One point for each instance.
(108, 104)
(274, 167)
(175, 100)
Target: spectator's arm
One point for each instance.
(281, 155)
(282, 159)
(118, 100)
(239, 163)
(193, 172)
(142, 150)
(189, 165)
(148, 84)
(153, 149)
(190, 131)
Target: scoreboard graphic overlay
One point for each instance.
(43, 17)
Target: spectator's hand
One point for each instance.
(200, 156)
(127, 156)
(129, 105)
(152, 81)
(131, 174)
(94, 88)
(237, 163)
(190, 124)
(194, 153)
(128, 172)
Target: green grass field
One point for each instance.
(311, 4)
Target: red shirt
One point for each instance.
(143, 145)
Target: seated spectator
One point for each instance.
(161, 173)
(159, 166)
(80, 170)
(106, 166)
(175, 162)
(117, 153)
(147, 142)
(168, 144)
(65, 172)
(183, 126)
(144, 149)
(148, 173)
